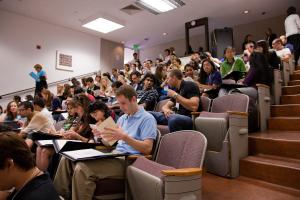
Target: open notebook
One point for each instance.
(90, 154)
(108, 123)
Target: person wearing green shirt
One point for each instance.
(232, 67)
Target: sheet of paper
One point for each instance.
(108, 123)
(83, 153)
(45, 142)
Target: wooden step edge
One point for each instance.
(272, 186)
(278, 161)
(274, 139)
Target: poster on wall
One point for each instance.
(63, 61)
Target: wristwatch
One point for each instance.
(175, 96)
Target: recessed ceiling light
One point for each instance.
(123, 42)
(246, 11)
(159, 6)
(164, 34)
(102, 25)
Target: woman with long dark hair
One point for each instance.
(272, 58)
(210, 80)
(259, 72)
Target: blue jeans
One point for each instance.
(175, 122)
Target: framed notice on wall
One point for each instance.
(63, 61)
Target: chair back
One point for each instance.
(205, 102)
(231, 102)
(159, 105)
(182, 149)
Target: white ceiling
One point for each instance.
(221, 13)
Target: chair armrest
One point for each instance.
(134, 157)
(195, 113)
(237, 113)
(182, 172)
(262, 85)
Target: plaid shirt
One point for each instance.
(149, 97)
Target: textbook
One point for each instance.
(33, 75)
(70, 145)
(90, 154)
(108, 123)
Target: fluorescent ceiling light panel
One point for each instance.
(159, 6)
(102, 25)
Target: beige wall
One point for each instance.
(257, 29)
(111, 55)
(179, 45)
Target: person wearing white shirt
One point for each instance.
(281, 51)
(292, 30)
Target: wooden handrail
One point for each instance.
(49, 84)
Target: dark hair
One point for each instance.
(263, 72)
(100, 105)
(83, 81)
(15, 148)
(78, 90)
(291, 10)
(9, 114)
(159, 59)
(26, 105)
(29, 97)
(159, 72)
(116, 84)
(264, 45)
(89, 79)
(188, 65)
(246, 38)
(168, 50)
(82, 100)
(177, 73)
(39, 102)
(138, 74)
(127, 91)
(203, 75)
(227, 48)
(149, 75)
(107, 74)
(17, 99)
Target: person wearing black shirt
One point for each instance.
(184, 100)
(91, 87)
(18, 173)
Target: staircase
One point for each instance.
(274, 155)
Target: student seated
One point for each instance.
(36, 121)
(44, 154)
(283, 53)
(136, 133)
(149, 95)
(232, 67)
(209, 79)
(189, 73)
(260, 71)
(91, 86)
(135, 77)
(18, 173)
(184, 100)
(11, 113)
